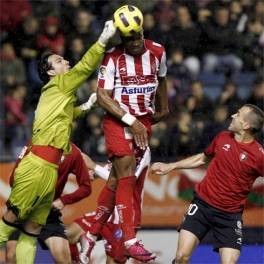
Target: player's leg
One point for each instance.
(193, 229)
(125, 169)
(35, 186)
(187, 242)
(73, 232)
(11, 247)
(227, 233)
(59, 249)
(105, 207)
(53, 237)
(229, 255)
(8, 225)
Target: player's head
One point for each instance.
(249, 118)
(50, 65)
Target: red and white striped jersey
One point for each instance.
(133, 79)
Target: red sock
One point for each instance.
(124, 204)
(74, 253)
(138, 197)
(105, 207)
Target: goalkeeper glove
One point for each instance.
(108, 32)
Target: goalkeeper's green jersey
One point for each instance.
(55, 111)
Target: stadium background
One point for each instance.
(215, 64)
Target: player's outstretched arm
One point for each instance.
(137, 128)
(89, 62)
(188, 163)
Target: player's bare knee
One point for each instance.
(230, 260)
(62, 256)
(182, 258)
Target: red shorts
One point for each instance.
(118, 138)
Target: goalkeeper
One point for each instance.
(36, 175)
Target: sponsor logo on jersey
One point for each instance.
(138, 79)
(102, 71)
(226, 147)
(243, 156)
(138, 90)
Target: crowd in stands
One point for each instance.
(214, 55)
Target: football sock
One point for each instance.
(105, 207)
(26, 249)
(124, 204)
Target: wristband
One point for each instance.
(128, 119)
(102, 172)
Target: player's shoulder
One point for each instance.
(225, 134)
(260, 149)
(155, 47)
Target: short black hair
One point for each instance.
(43, 66)
(256, 118)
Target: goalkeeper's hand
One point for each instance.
(108, 32)
(91, 101)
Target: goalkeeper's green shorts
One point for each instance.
(33, 189)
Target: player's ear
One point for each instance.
(51, 72)
(246, 125)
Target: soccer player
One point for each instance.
(111, 232)
(131, 83)
(52, 235)
(35, 177)
(237, 159)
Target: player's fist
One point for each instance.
(108, 32)
(58, 204)
(161, 168)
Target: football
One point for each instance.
(128, 19)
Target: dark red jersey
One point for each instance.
(231, 172)
(73, 163)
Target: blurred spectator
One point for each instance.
(52, 38)
(219, 43)
(202, 104)
(75, 50)
(159, 141)
(13, 13)
(257, 94)
(25, 38)
(43, 8)
(83, 27)
(185, 35)
(184, 135)
(69, 9)
(219, 122)
(15, 119)
(230, 98)
(12, 70)
(164, 14)
(152, 30)
(179, 72)
(253, 45)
